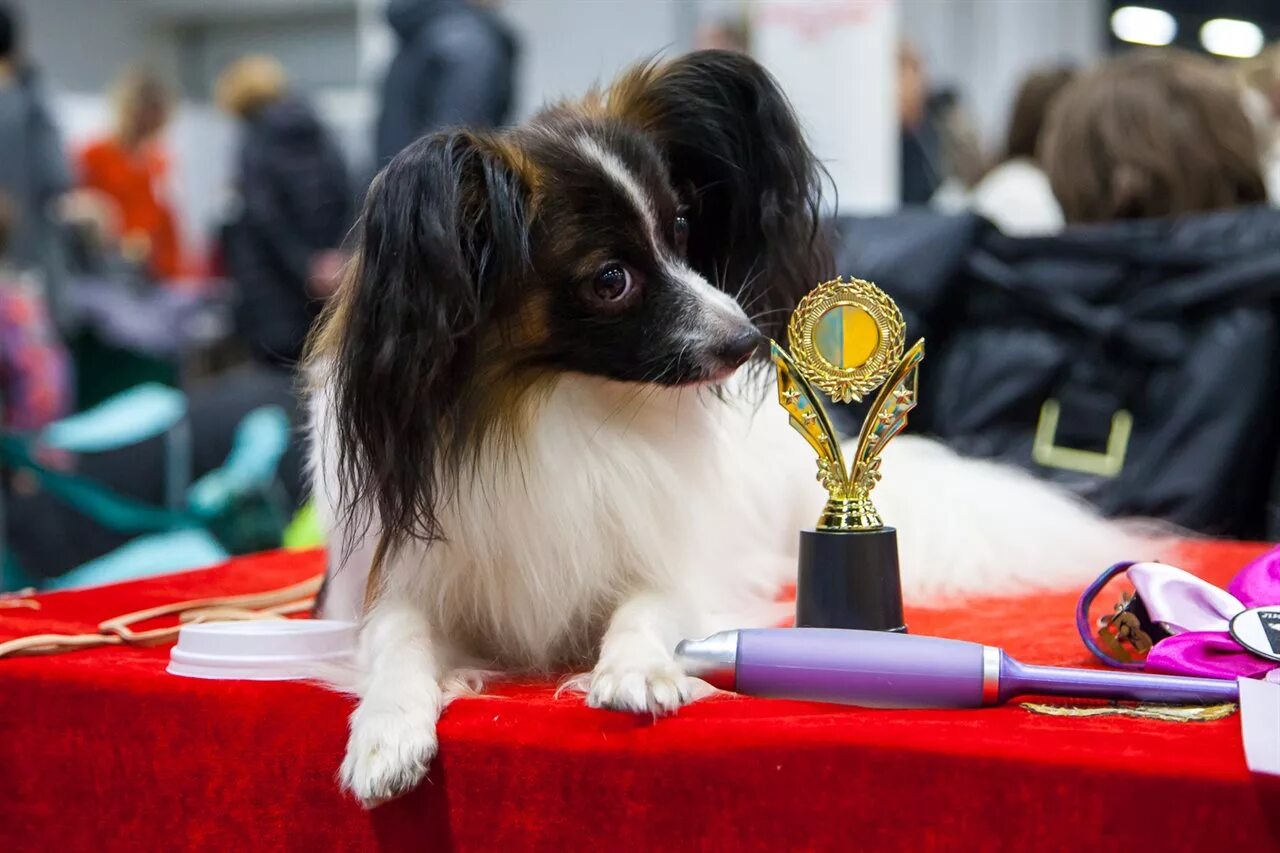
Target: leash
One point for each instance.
(118, 630)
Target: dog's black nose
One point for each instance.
(738, 348)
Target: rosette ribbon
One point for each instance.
(1196, 614)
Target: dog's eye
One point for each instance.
(612, 283)
(681, 233)
(616, 285)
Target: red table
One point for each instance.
(101, 749)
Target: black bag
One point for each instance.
(1137, 363)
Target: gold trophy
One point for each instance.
(846, 339)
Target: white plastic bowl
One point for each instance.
(262, 650)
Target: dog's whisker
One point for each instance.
(626, 398)
(651, 391)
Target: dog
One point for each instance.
(535, 408)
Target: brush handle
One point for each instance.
(884, 670)
(873, 669)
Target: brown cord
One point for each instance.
(273, 604)
(52, 644)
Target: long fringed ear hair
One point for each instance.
(442, 232)
(730, 134)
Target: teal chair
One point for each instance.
(132, 417)
(236, 507)
(146, 556)
(261, 440)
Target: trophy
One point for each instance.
(846, 339)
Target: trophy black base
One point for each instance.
(849, 580)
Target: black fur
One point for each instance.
(442, 234)
(730, 134)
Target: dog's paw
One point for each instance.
(656, 689)
(387, 754)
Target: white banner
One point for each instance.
(837, 61)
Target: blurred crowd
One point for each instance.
(1101, 296)
(1100, 292)
(100, 296)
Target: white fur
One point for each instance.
(631, 516)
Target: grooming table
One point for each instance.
(102, 750)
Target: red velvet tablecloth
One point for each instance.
(102, 750)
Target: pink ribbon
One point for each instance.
(1197, 614)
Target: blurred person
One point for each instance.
(35, 369)
(921, 171)
(282, 248)
(725, 32)
(130, 167)
(33, 169)
(1015, 195)
(961, 158)
(1135, 356)
(455, 66)
(1152, 135)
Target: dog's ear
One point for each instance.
(729, 133)
(441, 234)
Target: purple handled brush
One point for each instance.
(884, 670)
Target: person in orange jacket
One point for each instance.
(130, 168)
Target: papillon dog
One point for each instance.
(536, 409)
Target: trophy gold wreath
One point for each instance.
(846, 338)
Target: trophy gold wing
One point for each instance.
(809, 418)
(887, 418)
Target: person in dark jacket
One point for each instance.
(33, 171)
(921, 146)
(1135, 357)
(283, 247)
(455, 66)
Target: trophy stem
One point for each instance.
(849, 514)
